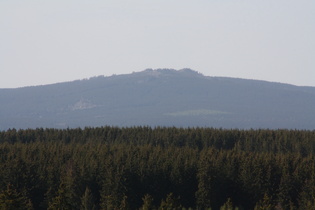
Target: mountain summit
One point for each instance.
(162, 97)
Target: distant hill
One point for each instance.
(162, 97)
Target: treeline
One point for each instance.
(157, 168)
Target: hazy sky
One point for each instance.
(51, 41)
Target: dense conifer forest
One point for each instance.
(157, 168)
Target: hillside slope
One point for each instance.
(163, 97)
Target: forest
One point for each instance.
(157, 168)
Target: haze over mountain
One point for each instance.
(163, 97)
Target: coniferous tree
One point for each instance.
(171, 202)
(10, 199)
(147, 203)
(265, 204)
(67, 195)
(228, 205)
(87, 200)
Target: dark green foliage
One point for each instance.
(152, 168)
(147, 203)
(228, 205)
(67, 195)
(10, 199)
(265, 204)
(87, 200)
(171, 202)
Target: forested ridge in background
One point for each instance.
(156, 168)
(162, 97)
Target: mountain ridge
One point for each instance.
(156, 72)
(162, 97)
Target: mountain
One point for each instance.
(163, 97)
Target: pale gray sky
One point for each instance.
(43, 42)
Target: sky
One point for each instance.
(45, 42)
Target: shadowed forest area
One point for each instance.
(157, 168)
